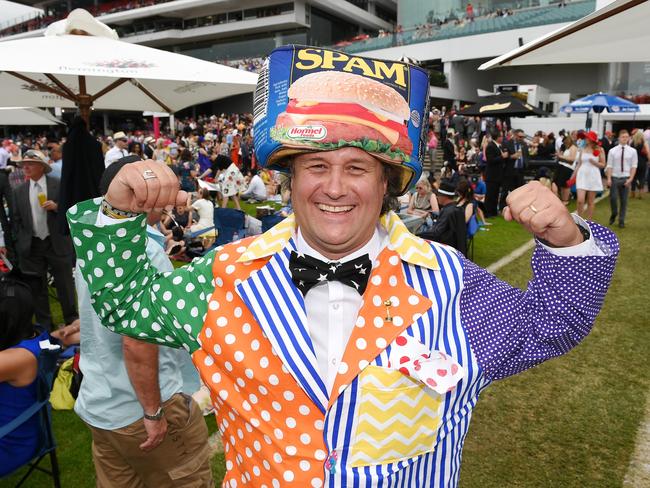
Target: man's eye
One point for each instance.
(357, 169)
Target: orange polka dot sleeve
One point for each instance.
(130, 296)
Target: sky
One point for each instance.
(11, 10)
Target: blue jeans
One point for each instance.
(618, 190)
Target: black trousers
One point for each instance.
(492, 197)
(41, 258)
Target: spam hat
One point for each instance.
(314, 99)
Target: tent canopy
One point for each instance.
(26, 116)
(617, 32)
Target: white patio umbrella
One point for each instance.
(26, 116)
(617, 32)
(63, 69)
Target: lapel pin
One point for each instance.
(388, 304)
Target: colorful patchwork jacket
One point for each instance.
(243, 321)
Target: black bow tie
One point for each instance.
(307, 271)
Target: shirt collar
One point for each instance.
(409, 247)
(41, 181)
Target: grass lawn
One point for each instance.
(569, 423)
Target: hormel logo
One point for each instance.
(307, 132)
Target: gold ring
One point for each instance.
(148, 174)
(532, 207)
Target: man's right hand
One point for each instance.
(156, 431)
(131, 191)
(609, 183)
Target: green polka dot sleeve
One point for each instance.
(128, 293)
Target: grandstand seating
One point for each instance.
(481, 25)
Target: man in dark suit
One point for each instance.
(449, 149)
(514, 165)
(39, 243)
(495, 156)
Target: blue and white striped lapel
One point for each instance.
(279, 309)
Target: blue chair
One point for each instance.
(269, 221)
(47, 445)
(229, 221)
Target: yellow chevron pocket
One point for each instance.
(398, 418)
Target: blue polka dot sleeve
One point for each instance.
(128, 293)
(511, 330)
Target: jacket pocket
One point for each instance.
(398, 416)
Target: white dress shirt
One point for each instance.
(39, 214)
(630, 160)
(113, 154)
(332, 308)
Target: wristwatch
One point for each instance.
(156, 416)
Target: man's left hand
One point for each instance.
(542, 213)
(156, 431)
(50, 206)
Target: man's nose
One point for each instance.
(334, 186)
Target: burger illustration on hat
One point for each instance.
(332, 109)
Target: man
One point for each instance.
(149, 147)
(294, 344)
(514, 164)
(495, 157)
(119, 149)
(256, 189)
(125, 382)
(6, 202)
(449, 150)
(56, 161)
(622, 162)
(458, 122)
(607, 142)
(449, 227)
(39, 243)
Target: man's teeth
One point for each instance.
(329, 208)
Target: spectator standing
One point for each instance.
(449, 149)
(621, 168)
(119, 149)
(607, 142)
(56, 161)
(515, 164)
(458, 122)
(642, 150)
(149, 147)
(6, 201)
(566, 162)
(39, 243)
(588, 180)
(432, 146)
(146, 431)
(495, 156)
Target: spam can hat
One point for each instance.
(314, 99)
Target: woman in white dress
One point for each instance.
(588, 180)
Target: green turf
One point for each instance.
(569, 423)
(572, 421)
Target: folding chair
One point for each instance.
(228, 221)
(269, 221)
(42, 408)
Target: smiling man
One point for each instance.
(339, 349)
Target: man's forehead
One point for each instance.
(341, 156)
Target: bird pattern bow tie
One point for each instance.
(307, 271)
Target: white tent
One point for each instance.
(617, 32)
(26, 116)
(62, 69)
